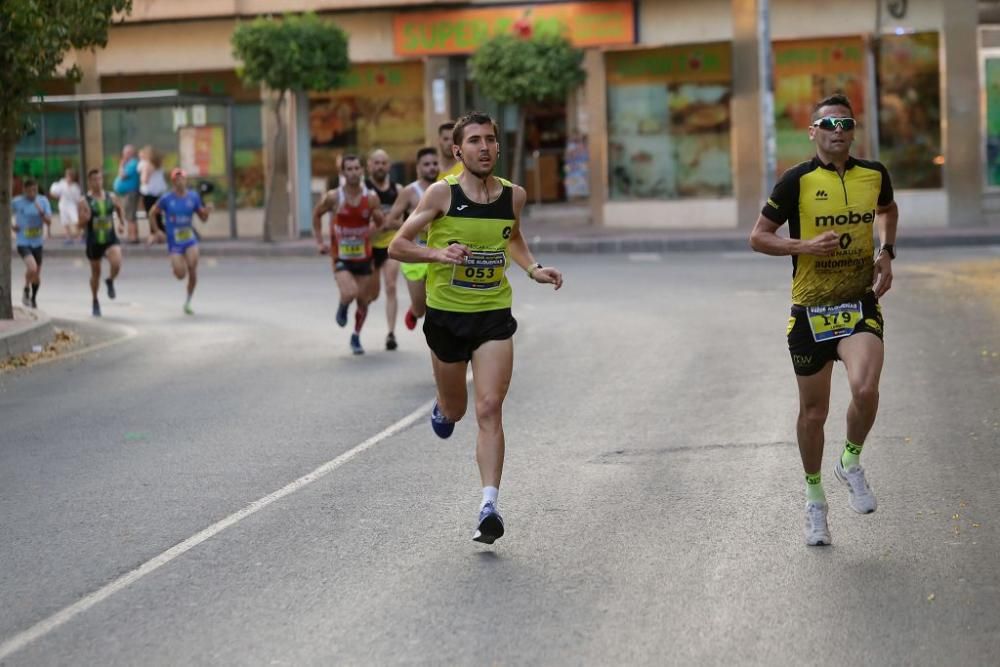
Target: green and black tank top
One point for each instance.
(101, 227)
(481, 283)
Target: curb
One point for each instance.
(573, 245)
(22, 340)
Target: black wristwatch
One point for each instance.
(889, 249)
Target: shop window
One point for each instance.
(378, 106)
(910, 109)
(806, 71)
(992, 72)
(669, 122)
(61, 150)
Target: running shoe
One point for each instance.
(188, 310)
(96, 308)
(490, 525)
(817, 532)
(442, 426)
(26, 298)
(34, 304)
(410, 320)
(862, 500)
(356, 344)
(390, 341)
(342, 314)
(111, 287)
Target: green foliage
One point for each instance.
(34, 38)
(297, 52)
(514, 70)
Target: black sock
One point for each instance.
(34, 290)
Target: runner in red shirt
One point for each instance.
(355, 214)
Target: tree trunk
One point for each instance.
(517, 169)
(6, 186)
(276, 202)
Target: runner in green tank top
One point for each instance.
(415, 274)
(97, 216)
(473, 223)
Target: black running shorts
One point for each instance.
(380, 256)
(36, 252)
(363, 268)
(96, 251)
(808, 356)
(453, 337)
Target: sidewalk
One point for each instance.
(552, 237)
(28, 329)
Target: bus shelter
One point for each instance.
(204, 140)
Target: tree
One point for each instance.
(294, 53)
(524, 68)
(35, 36)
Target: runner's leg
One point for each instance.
(452, 395)
(191, 255)
(814, 406)
(863, 355)
(492, 364)
(418, 297)
(390, 275)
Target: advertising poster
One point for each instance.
(379, 106)
(668, 122)
(806, 71)
(202, 150)
(910, 109)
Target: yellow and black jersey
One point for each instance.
(814, 198)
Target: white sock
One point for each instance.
(490, 494)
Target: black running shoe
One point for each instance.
(111, 287)
(96, 309)
(490, 525)
(390, 341)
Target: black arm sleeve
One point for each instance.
(784, 199)
(885, 195)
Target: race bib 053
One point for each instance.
(483, 270)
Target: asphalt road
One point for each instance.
(653, 494)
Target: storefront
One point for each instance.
(556, 164)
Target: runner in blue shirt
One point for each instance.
(179, 207)
(31, 212)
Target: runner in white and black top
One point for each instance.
(386, 269)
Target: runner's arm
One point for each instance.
(378, 218)
(432, 206)
(764, 239)
(398, 211)
(887, 219)
(324, 206)
(83, 211)
(521, 254)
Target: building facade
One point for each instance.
(665, 132)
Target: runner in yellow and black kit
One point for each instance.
(386, 270)
(474, 232)
(831, 204)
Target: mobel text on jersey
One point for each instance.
(849, 218)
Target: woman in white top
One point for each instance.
(152, 184)
(67, 191)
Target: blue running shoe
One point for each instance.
(342, 314)
(356, 344)
(443, 428)
(490, 525)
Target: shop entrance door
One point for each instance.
(544, 151)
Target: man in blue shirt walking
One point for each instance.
(32, 214)
(179, 206)
(126, 186)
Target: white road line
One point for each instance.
(644, 257)
(42, 628)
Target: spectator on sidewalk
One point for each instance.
(152, 186)
(126, 186)
(67, 191)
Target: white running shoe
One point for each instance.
(817, 532)
(862, 499)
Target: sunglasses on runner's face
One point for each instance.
(831, 123)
